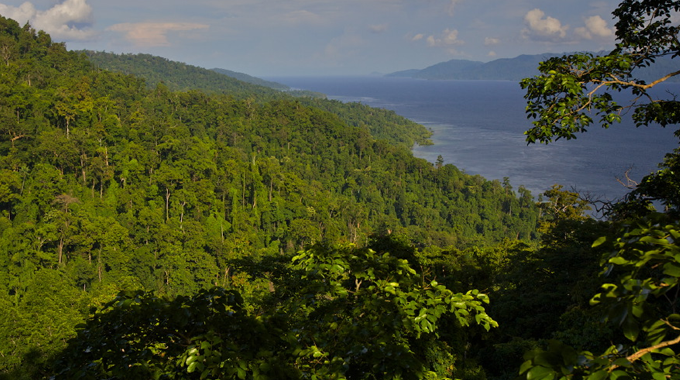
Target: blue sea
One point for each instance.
(478, 126)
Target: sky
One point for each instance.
(269, 38)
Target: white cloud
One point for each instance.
(596, 27)
(447, 38)
(491, 53)
(542, 27)
(149, 34)
(22, 14)
(377, 28)
(431, 41)
(68, 20)
(490, 41)
(418, 37)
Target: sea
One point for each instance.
(478, 126)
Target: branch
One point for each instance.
(662, 79)
(15, 138)
(601, 207)
(630, 183)
(633, 83)
(643, 352)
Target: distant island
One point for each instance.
(513, 69)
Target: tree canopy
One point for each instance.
(151, 232)
(642, 266)
(170, 200)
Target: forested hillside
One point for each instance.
(109, 186)
(156, 233)
(382, 124)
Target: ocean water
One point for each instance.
(478, 126)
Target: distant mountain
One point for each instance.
(515, 69)
(453, 69)
(461, 69)
(404, 74)
(253, 80)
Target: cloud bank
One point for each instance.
(68, 20)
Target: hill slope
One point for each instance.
(178, 76)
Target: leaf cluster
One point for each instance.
(359, 315)
(574, 89)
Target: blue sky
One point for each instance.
(322, 37)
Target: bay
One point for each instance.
(478, 126)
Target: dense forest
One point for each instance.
(149, 232)
(380, 123)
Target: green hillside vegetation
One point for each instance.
(111, 186)
(178, 76)
(150, 233)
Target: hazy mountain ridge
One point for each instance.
(515, 69)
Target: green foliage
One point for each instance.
(382, 124)
(140, 336)
(181, 77)
(574, 89)
(357, 315)
(641, 302)
(249, 79)
(662, 186)
(109, 186)
(561, 207)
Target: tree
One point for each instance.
(560, 206)
(346, 313)
(141, 336)
(573, 87)
(365, 314)
(662, 186)
(643, 265)
(642, 301)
